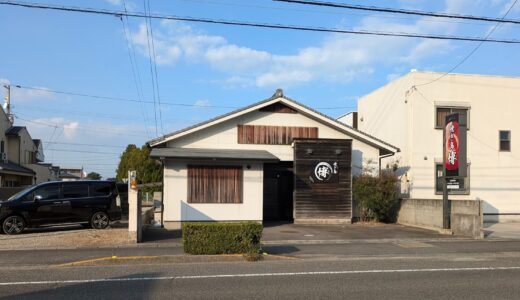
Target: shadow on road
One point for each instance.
(89, 290)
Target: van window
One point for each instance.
(100, 189)
(49, 192)
(75, 190)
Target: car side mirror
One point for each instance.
(37, 198)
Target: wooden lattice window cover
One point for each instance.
(279, 108)
(273, 135)
(215, 184)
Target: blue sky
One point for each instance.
(214, 65)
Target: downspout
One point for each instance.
(381, 158)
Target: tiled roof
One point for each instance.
(14, 130)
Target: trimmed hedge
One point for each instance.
(221, 237)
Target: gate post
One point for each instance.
(134, 209)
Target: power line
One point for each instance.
(114, 98)
(158, 94)
(81, 151)
(329, 12)
(81, 144)
(402, 11)
(80, 127)
(472, 51)
(150, 58)
(135, 71)
(100, 97)
(251, 24)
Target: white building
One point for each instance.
(409, 113)
(248, 164)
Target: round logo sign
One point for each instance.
(323, 171)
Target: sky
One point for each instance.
(204, 70)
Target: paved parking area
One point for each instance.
(66, 236)
(502, 230)
(274, 232)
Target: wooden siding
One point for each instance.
(279, 108)
(273, 135)
(214, 184)
(322, 200)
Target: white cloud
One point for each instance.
(114, 2)
(202, 103)
(337, 58)
(70, 129)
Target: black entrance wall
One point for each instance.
(278, 191)
(323, 196)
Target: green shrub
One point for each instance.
(221, 237)
(375, 196)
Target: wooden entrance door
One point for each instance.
(323, 180)
(278, 191)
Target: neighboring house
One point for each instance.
(12, 173)
(248, 164)
(68, 174)
(45, 172)
(409, 112)
(64, 176)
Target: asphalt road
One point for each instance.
(434, 270)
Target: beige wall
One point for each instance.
(406, 118)
(13, 149)
(27, 146)
(43, 173)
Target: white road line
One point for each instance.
(254, 275)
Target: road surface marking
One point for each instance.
(108, 258)
(81, 281)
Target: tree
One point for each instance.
(94, 176)
(133, 158)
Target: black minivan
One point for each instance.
(94, 202)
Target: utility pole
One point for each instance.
(7, 104)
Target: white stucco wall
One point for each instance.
(224, 136)
(177, 208)
(409, 123)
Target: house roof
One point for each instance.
(12, 167)
(14, 130)
(278, 97)
(68, 175)
(261, 155)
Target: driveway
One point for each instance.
(66, 236)
(291, 233)
(502, 230)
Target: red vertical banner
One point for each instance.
(452, 145)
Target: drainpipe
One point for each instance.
(381, 158)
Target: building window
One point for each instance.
(442, 112)
(214, 184)
(456, 186)
(504, 140)
(273, 135)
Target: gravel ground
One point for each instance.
(72, 236)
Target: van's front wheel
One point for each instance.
(99, 220)
(13, 225)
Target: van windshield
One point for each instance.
(22, 192)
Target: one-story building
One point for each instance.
(273, 160)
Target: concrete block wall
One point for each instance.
(466, 215)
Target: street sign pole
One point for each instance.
(445, 201)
